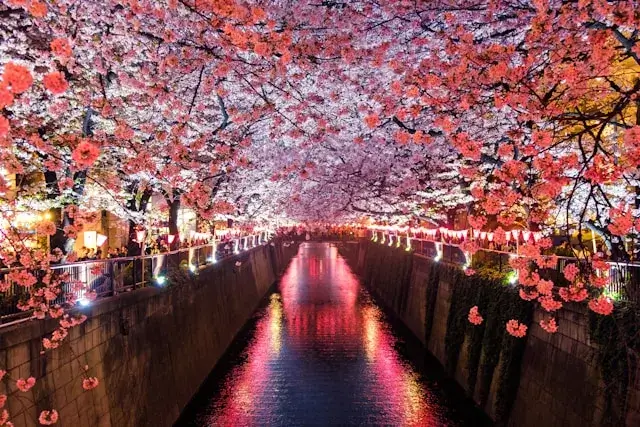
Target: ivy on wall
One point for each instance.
(489, 346)
(431, 298)
(618, 345)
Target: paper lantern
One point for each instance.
(100, 239)
(507, 236)
(140, 235)
(483, 235)
(476, 233)
(526, 235)
(171, 238)
(490, 237)
(90, 239)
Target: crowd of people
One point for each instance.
(85, 254)
(338, 232)
(156, 246)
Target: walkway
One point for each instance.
(320, 352)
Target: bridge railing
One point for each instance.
(111, 276)
(623, 277)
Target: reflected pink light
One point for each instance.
(318, 308)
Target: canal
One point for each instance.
(320, 351)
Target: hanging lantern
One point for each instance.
(490, 237)
(507, 236)
(476, 233)
(140, 235)
(537, 235)
(483, 235)
(171, 238)
(526, 235)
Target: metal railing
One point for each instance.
(623, 277)
(111, 276)
(323, 237)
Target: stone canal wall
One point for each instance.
(151, 348)
(542, 380)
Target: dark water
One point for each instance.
(321, 352)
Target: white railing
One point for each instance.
(111, 276)
(623, 277)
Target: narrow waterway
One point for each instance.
(321, 352)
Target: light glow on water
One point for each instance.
(322, 353)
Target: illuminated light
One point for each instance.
(212, 259)
(140, 235)
(275, 324)
(90, 238)
(161, 280)
(83, 302)
(47, 216)
(512, 277)
(236, 245)
(612, 295)
(192, 268)
(371, 330)
(437, 258)
(171, 238)
(100, 239)
(26, 217)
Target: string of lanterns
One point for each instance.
(514, 235)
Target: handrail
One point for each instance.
(456, 245)
(623, 277)
(110, 276)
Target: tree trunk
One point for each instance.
(133, 247)
(174, 208)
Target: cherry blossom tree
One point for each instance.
(520, 112)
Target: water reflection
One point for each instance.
(321, 353)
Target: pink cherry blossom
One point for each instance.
(25, 385)
(475, 317)
(602, 305)
(85, 154)
(48, 418)
(549, 303)
(55, 82)
(90, 383)
(549, 325)
(516, 328)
